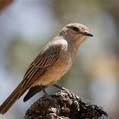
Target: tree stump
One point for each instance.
(64, 105)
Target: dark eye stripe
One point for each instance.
(73, 28)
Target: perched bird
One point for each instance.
(54, 60)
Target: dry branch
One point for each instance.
(64, 105)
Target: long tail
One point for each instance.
(16, 94)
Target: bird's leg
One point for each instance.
(57, 86)
(45, 93)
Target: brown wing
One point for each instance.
(39, 66)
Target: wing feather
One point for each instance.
(43, 61)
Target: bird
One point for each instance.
(53, 61)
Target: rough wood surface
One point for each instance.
(64, 105)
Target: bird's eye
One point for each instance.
(73, 28)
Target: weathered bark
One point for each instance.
(64, 105)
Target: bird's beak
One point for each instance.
(86, 34)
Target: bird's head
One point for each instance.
(76, 32)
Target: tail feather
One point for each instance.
(32, 91)
(16, 94)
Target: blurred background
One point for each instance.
(26, 25)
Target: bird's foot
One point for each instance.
(59, 87)
(47, 95)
